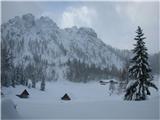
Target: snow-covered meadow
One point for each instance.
(88, 101)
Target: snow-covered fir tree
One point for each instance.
(139, 71)
(43, 85)
(33, 83)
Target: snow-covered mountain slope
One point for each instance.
(31, 38)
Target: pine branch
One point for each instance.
(150, 84)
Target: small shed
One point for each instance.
(24, 94)
(65, 97)
(2, 94)
(102, 82)
(113, 81)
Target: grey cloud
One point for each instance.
(115, 22)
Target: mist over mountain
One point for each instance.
(43, 50)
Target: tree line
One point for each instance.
(12, 75)
(83, 72)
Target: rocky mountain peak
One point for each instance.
(29, 20)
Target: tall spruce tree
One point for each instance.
(139, 71)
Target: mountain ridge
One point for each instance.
(40, 39)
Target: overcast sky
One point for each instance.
(114, 22)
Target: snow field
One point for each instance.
(88, 101)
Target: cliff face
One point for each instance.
(32, 40)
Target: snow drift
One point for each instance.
(9, 110)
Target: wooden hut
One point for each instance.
(65, 97)
(24, 94)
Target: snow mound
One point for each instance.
(9, 110)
